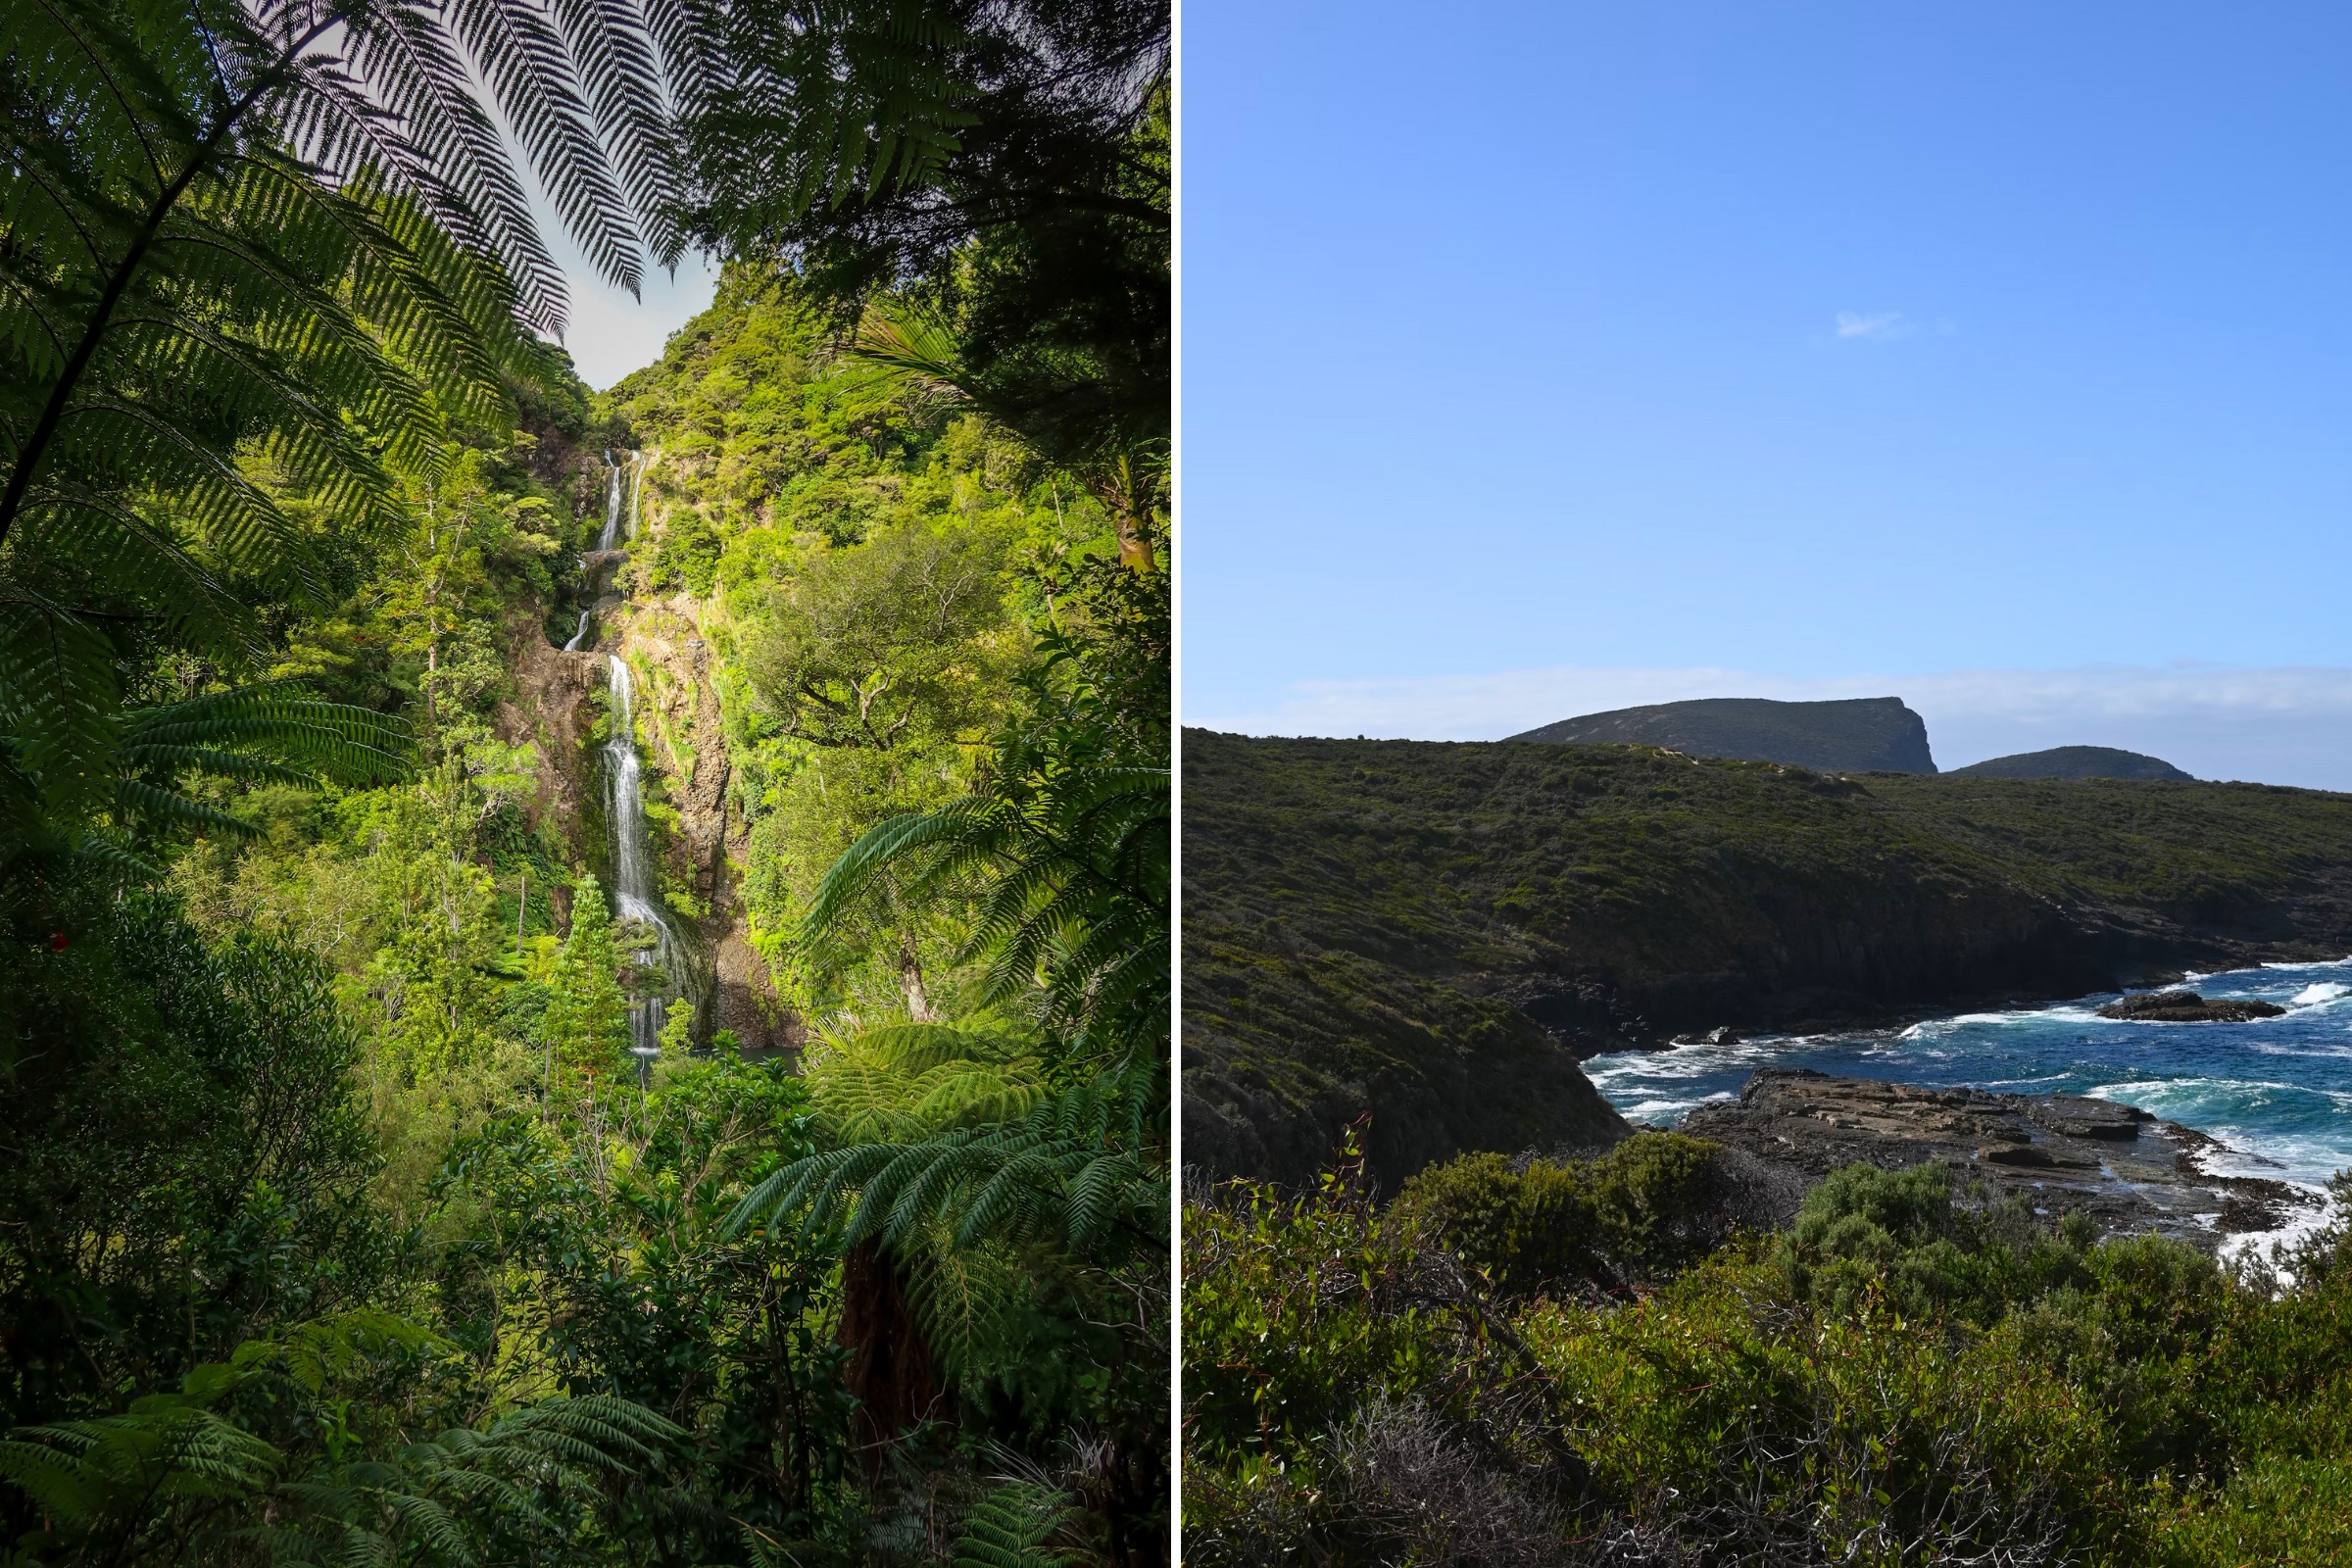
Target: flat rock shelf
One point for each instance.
(2132, 1172)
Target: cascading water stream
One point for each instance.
(632, 865)
(609, 539)
(625, 474)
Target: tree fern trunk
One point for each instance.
(891, 1370)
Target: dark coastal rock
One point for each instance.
(2187, 1006)
(2130, 1172)
(1725, 1036)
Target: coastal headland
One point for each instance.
(1435, 934)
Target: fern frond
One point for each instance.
(1011, 1526)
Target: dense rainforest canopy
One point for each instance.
(338, 1218)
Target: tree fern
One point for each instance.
(963, 1299)
(1082, 1168)
(180, 1466)
(239, 232)
(1066, 849)
(909, 1080)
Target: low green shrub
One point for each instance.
(1908, 1374)
(1652, 1205)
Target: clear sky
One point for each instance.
(1547, 358)
(612, 335)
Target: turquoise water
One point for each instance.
(2277, 1092)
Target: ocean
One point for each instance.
(2276, 1092)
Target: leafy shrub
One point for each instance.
(1652, 1205)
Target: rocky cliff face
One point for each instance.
(1858, 735)
(685, 744)
(553, 709)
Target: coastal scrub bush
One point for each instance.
(1652, 1205)
(1352, 1393)
(1908, 1374)
(1720, 1410)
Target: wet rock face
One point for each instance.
(551, 709)
(688, 746)
(2187, 1006)
(2130, 1172)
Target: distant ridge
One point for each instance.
(1855, 735)
(2075, 761)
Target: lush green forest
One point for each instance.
(586, 974)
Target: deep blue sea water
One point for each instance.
(2277, 1092)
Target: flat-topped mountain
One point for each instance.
(2075, 761)
(1854, 735)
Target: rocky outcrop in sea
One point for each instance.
(2187, 1006)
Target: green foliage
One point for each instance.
(1904, 1376)
(1655, 1204)
(1011, 1528)
(187, 1470)
(586, 1025)
(1066, 850)
(244, 238)
(877, 573)
(884, 644)
(190, 1165)
(589, 1255)
(1007, 165)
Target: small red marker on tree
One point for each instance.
(57, 942)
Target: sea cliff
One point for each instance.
(1434, 934)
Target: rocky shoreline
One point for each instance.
(2130, 1172)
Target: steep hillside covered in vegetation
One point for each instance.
(1427, 931)
(829, 600)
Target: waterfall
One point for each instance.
(578, 637)
(620, 499)
(632, 866)
(613, 506)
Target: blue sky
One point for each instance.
(1540, 359)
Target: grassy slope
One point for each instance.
(1430, 931)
